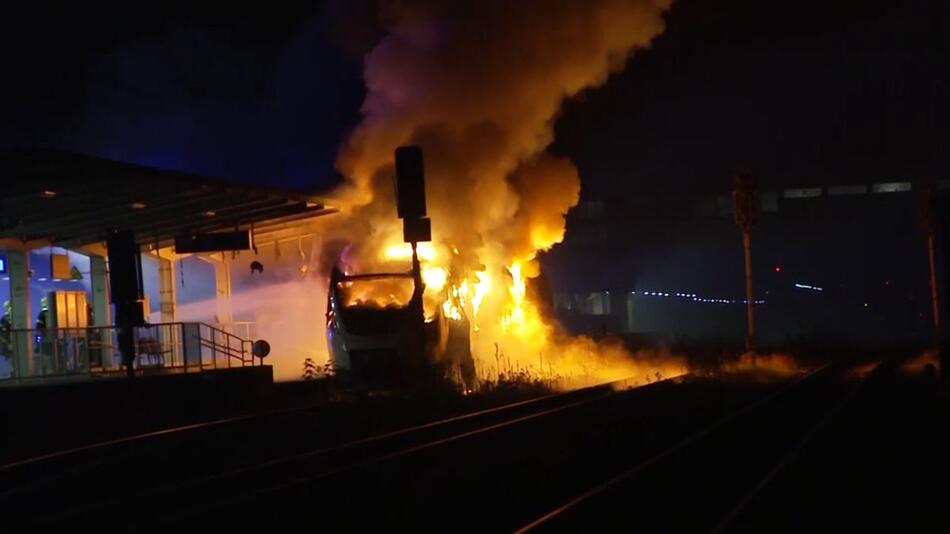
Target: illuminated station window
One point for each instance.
(891, 187)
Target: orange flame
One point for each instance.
(403, 251)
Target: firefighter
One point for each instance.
(6, 336)
(42, 317)
(93, 339)
(44, 343)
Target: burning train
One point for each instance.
(479, 90)
(379, 335)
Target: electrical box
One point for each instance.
(416, 230)
(125, 269)
(125, 278)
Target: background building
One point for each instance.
(838, 262)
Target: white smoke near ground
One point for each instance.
(286, 304)
(283, 305)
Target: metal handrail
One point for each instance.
(239, 354)
(241, 329)
(91, 350)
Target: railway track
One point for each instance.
(33, 473)
(514, 463)
(96, 446)
(366, 478)
(711, 476)
(72, 469)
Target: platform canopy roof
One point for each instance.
(71, 199)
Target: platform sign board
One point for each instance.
(59, 266)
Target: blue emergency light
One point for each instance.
(3, 264)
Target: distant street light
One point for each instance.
(746, 214)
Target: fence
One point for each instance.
(94, 350)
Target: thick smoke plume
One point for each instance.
(478, 84)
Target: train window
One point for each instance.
(385, 292)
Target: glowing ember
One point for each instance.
(451, 310)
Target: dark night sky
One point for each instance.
(799, 92)
(242, 93)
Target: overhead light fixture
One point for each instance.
(137, 205)
(48, 193)
(210, 213)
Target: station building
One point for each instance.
(57, 210)
(834, 261)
